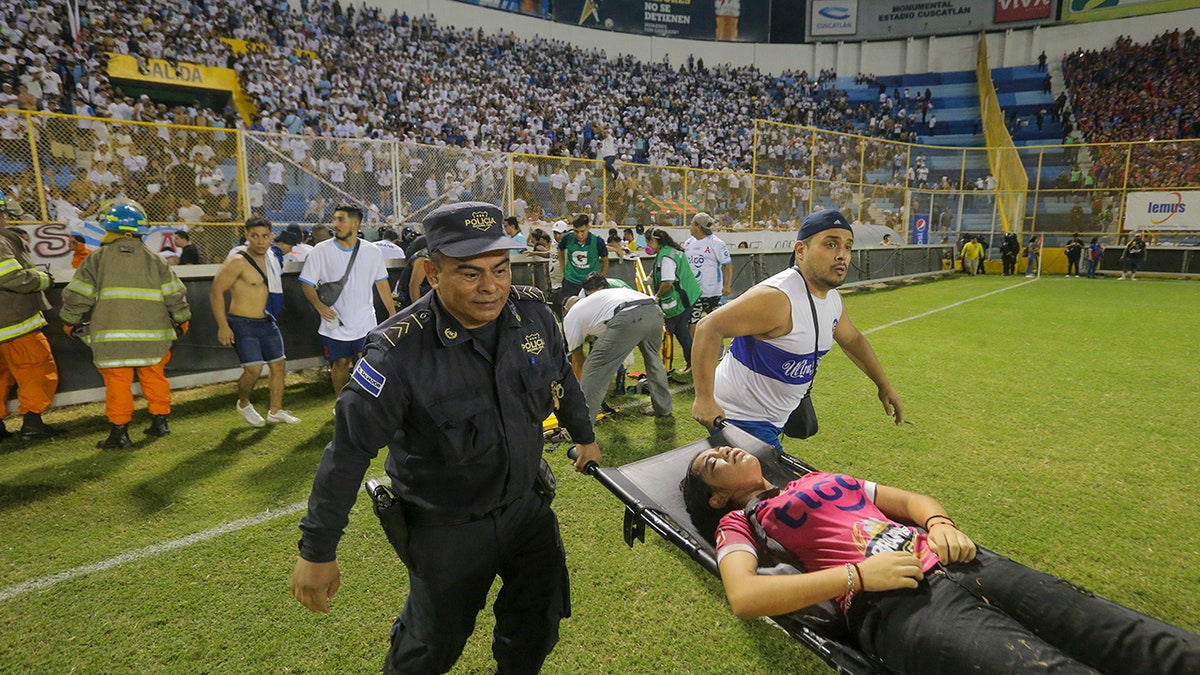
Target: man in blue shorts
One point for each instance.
(358, 265)
(247, 326)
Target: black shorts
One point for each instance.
(704, 306)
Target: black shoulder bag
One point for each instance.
(802, 423)
(329, 292)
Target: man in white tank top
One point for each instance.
(774, 354)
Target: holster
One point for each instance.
(391, 516)
(545, 484)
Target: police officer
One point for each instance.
(457, 386)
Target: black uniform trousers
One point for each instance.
(453, 567)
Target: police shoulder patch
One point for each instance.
(406, 326)
(368, 378)
(527, 293)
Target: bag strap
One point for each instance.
(350, 264)
(812, 306)
(255, 266)
(773, 547)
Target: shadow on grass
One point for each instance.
(296, 467)
(57, 479)
(158, 492)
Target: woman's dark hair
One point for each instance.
(696, 495)
(663, 238)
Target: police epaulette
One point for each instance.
(407, 326)
(527, 293)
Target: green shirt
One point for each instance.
(684, 291)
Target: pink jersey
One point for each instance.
(824, 520)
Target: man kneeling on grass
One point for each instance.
(248, 327)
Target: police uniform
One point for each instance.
(461, 413)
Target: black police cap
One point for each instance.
(466, 229)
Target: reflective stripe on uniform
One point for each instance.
(18, 329)
(173, 286)
(118, 292)
(82, 288)
(9, 265)
(132, 335)
(127, 363)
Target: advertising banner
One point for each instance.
(530, 7)
(723, 20)
(833, 17)
(1008, 11)
(1161, 211)
(1103, 10)
(894, 19)
(920, 228)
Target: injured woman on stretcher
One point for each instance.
(915, 592)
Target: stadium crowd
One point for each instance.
(1139, 92)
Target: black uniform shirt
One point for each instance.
(463, 426)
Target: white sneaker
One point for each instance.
(282, 417)
(251, 415)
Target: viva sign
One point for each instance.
(1022, 10)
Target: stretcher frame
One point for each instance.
(819, 628)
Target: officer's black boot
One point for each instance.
(118, 437)
(158, 426)
(33, 428)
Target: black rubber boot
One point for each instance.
(33, 428)
(158, 426)
(118, 438)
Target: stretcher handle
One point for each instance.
(718, 422)
(591, 468)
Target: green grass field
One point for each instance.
(1055, 420)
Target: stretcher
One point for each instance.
(649, 488)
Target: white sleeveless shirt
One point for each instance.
(764, 380)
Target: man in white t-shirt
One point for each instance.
(345, 323)
(712, 265)
(275, 186)
(620, 319)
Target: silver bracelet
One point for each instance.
(849, 587)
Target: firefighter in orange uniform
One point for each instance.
(25, 356)
(138, 307)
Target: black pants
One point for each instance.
(1010, 263)
(1072, 264)
(1031, 622)
(452, 570)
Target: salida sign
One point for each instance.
(1022, 10)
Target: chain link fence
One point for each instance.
(56, 169)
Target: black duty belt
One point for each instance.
(423, 518)
(633, 303)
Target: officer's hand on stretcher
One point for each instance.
(313, 584)
(586, 454)
(950, 544)
(707, 412)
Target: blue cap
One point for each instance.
(467, 229)
(819, 221)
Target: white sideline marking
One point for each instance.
(212, 533)
(950, 306)
(271, 514)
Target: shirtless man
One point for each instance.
(248, 327)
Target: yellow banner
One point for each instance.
(240, 47)
(181, 74)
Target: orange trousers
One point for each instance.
(118, 390)
(28, 362)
